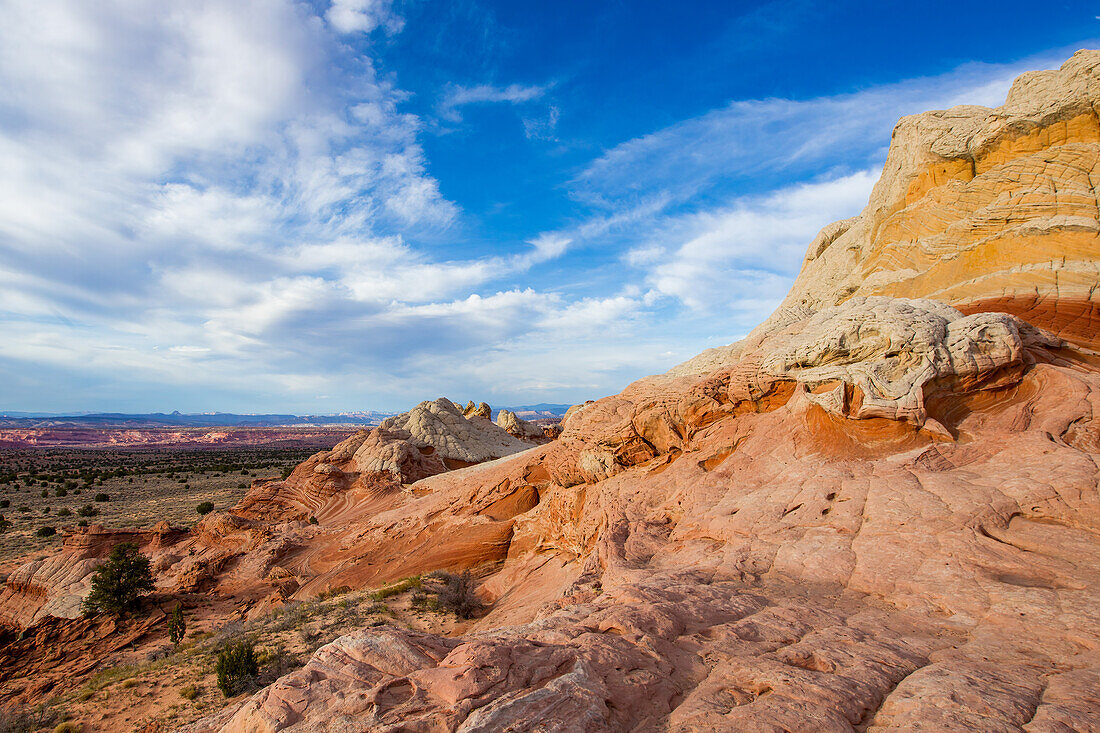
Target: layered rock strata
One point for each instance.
(881, 511)
(983, 209)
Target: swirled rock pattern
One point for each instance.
(879, 512)
(984, 209)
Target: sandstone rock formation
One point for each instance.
(518, 428)
(881, 511)
(984, 209)
(877, 512)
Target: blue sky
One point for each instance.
(357, 204)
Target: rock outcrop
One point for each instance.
(517, 428)
(878, 512)
(881, 511)
(983, 209)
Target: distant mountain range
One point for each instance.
(227, 419)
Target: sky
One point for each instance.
(340, 205)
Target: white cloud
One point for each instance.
(363, 16)
(456, 96)
(785, 138)
(750, 250)
(210, 200)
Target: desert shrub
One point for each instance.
(60, 492)
(82, 523)
(24, 508)
(205, 507)
(5, 525)
(19, 719)
(177, 625)
(236, 667)
(423, 600)
(64, 512)
(45, 493)
(400, 586)
(45, 510)
(67, 727)
(87, 511)
(118, 584)
(380, 608)
(189, 692)
(102, 497)
(458, 594)
(4, 503)
(46, 532)
(313, 520)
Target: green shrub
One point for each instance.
(102, 497)
(393, 589)
(117, 584)
(60, 492)
(45, 493)
(236, 668)
(458, 594)
(313, 520)
(87, 511)
(4, 503)
(189, 692)
(177, 626)
(205, 507)
(46, 532)
(64, 512)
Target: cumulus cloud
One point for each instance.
(211, 203)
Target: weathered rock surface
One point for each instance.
(984, 209)
(517, 428)
(881, 511)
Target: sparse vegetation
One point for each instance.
(45, 532)
(177, 625)
(414, 581)
(190, 692)
(119, 583)
(87, 511)
(135, 480)
(237, 667)
(205, 507)
(20, 719)
(102, 497)
(458, 594)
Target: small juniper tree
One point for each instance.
(237, 667)
(118, 584)
(177, 626)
